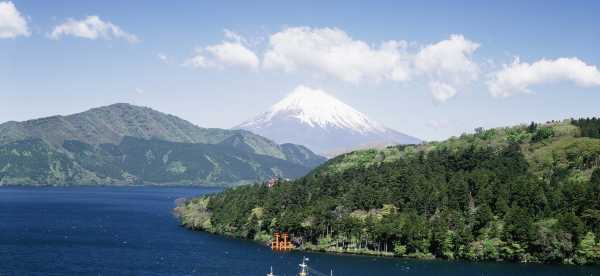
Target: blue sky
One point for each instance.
(438, 85)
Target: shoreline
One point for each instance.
(390, 255)
(363, 253)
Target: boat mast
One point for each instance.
(271, 273)
(303, 267)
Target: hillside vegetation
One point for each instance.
(109, 124)
(529, 193)
(126, 144)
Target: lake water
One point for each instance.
(131, 231)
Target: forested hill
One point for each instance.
(127, 144)
(109, 124)
(528, 193)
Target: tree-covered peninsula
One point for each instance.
(529, 193)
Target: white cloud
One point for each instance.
(92, 27)
(449, 65)
(233, 36)
(450, 58)
(12, 23)
(518, 76)
(197, 61)
(162, 57)
(233, 54)
(441, 91)
(225, 54)
(332, 51)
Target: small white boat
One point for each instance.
(304, 269)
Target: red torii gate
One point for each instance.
(280, 242)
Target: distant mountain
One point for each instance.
(123, 143)
(322, 123)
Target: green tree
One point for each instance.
(483, 216)
(595, 179)
(399, 249)
(542, 134)
(572, 224)
(588, 250)
(519, 224)
(458, 197)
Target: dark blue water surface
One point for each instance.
(131, 231)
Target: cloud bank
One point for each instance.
(447, 66)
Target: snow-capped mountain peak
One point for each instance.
(319, 109)
(324, 124)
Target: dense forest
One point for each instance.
(138, 161)
(529, 193)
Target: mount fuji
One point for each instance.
(324, 124)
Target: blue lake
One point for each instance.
(131, 231)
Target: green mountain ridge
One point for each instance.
(96, 147)
(529, 193)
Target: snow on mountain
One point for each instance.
(321, 122)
